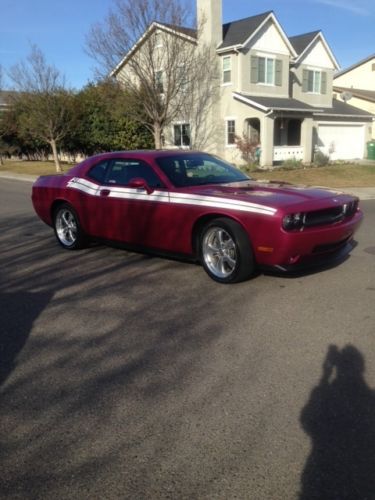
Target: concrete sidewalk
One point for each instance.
(363, 193)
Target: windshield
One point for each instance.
(196, 169)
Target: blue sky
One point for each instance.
(59, 28)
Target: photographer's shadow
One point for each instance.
(340, 420)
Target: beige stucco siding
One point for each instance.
(317, 100)
(362, 77)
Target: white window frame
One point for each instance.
(180, 125)
(314, 71)
(228, 70)
(267, 59)
(227, 121)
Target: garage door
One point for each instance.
(342, 142)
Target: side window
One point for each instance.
(122, 172)
(98, 171)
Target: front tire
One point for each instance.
(226, 252)
(67, 228)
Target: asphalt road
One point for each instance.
(129, 377)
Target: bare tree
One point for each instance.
(148, 48)
(42, 93)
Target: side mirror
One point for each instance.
(139, 183)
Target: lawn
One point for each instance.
(336, 176)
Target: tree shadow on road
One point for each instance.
(18, 313)
(340, 419)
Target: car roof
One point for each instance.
(147, 153)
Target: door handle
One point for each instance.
(105, 192)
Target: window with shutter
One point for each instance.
(263, 70)
(314, 82)
(278, 72)
(254, 69)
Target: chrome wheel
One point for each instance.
(66, 227)
(219, 252)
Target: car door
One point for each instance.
(132, 214)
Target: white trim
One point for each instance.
(326, 46)
(229, 57)
(169, 197)
(278, 27)
(249, 101)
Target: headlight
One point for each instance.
(293, 221)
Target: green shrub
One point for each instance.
(291, 164)
(320, 159)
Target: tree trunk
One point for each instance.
(55, 156)
(157, 136)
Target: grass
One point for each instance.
(336, 176)
(32, 167)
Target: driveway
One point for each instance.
(127, 376)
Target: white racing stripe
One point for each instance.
(209, 201)
(164, 197)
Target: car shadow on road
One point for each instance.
(19, 310)
(340, 420)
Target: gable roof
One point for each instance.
(367, 95)
(353, 66)
(302, 44)
(237, 34)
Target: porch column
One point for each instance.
(266, 141)
(307, 139)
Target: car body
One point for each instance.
(196, 205)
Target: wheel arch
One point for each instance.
(205, 219)
(55, 205)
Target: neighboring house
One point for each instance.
(357, 85)
(275, 90)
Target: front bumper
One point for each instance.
(312, 246)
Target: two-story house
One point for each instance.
(357, 85)
(274, 89)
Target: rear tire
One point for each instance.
(67, 228)
(225, 251)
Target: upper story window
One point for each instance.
(181, 134)
(159, 81)
(314, 81)
(227, 69)
(266, 70)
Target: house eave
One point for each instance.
(337, 115)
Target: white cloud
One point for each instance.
(360, 7)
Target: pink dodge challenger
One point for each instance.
(196, 205)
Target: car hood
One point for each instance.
(275, 194)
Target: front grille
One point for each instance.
(331, 215)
